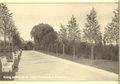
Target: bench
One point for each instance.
(6, 66)
(16, 59)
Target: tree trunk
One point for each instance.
(104, 42)
(4, 41)
(92, 53)
(48, 48)
(111, 52)
(63, 49)
(57, 49)
(116, 41)
(73, 51)
(51, 48)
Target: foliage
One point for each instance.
(43, 35)
(16, 40)
(112, 30)
(92, 28)
(8, 29)
(73, 29)
(62, 34)
(28, 45)
(5, 19)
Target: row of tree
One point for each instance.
(8, 30)
(69, 36)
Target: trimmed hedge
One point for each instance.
(83, 49)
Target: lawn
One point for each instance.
(108, 65)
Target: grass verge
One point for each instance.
(108, 65)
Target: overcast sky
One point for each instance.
(28, 15)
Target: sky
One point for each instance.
(28, 15)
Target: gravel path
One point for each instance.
(38, 66)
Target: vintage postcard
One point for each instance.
(59, 41)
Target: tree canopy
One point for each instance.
(43, 35)
(111, 34)
(7, 27)
(73, 29)
(92, 28)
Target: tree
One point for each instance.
(73, 32)
(8, 30)
(44, 36)
(16, 40)
(63, 37)
(5, 17)
(92, 31)
(28, 45)
(112, 30)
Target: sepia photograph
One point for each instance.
(59, 41)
